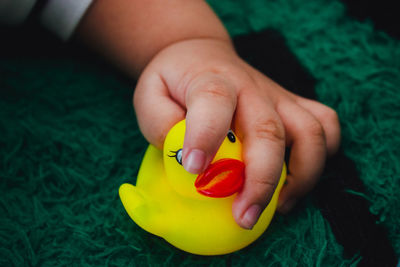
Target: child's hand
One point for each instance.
(204, 80)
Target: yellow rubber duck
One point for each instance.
(193, 213)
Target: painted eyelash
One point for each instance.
(174, 155)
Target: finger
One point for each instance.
(308, 153)
(210, 103)
(328, 119)
(264, 146)
(155, 110)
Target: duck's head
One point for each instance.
(223, 177)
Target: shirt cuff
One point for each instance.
(62, 16)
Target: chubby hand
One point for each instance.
(205, 81)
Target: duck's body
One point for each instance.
(200, 225)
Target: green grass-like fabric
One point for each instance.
(69, 138)
(358, 74)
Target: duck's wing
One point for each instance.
(141, 209)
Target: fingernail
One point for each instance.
(195, 161)
(251, 216)
(287, 206)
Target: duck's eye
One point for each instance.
(231, 136)
(177, 155)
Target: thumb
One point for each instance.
(156, 111)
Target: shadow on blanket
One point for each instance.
(338, 193)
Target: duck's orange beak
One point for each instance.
(221, 179)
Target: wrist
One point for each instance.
(132, 32)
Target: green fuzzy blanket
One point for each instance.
(69, 138)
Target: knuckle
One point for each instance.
(216, 89)
(220, 69)
(207, 136)
(315, 129)
(270, 129)
(208, 132)
(264, 183)
(263, 188)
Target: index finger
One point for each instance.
(211, 103)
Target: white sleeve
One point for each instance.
(62, 16)
(13, 12)
(59, 16)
